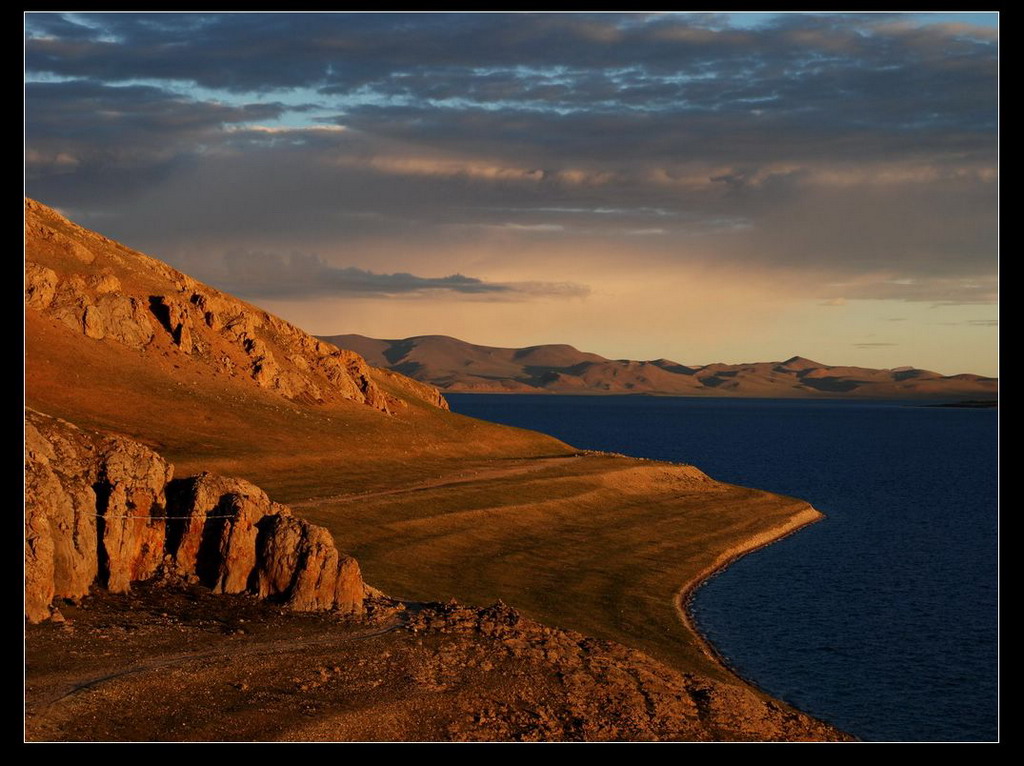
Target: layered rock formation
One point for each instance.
(454, 365)
(105, 510)
(101, 289)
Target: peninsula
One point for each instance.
(236, 531)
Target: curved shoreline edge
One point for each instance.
(683, 598)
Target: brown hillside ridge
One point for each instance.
(105, 291)
(456, 366)
(203, 607)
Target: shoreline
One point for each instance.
(942, 399)
(683, 598)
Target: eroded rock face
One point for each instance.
(38, 564)
(91, 306)
(60, 523)
(213, 529)
(300, 563)
(199, 541)
(176, 320)
(104, 510)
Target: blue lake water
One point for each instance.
(882, 619)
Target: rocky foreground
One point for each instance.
(172, 661)
(197, 608)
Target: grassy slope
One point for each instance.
(598, 544)
(457, 507)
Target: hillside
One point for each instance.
(457, 366)
(143, 362)
(120, 341)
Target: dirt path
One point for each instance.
(523, 466)
(257, 649)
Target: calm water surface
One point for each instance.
(882, 618)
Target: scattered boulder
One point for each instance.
(118, 317)
(104, 283)
(40, 286)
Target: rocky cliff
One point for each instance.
(110, 294)
(105, 510)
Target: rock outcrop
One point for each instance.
(104, 510)
(96, 287)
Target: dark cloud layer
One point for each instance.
(302, 275)
(859, 147)
(555, 59)
(86, 124)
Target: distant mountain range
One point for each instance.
(454, 365)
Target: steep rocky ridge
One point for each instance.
(101, 289)
(105, 510)
(456, 366)
(215, 384)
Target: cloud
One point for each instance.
(424, 166)
(85, 125)
(272, 275)
(938, 290)
(972, 323)
(852, 148)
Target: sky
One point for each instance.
(699, 187)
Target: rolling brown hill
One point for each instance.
(595, 552)
(457, 366)
(119, 341)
